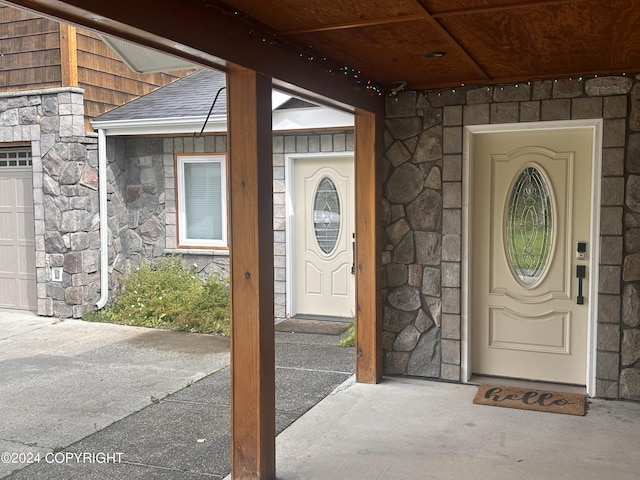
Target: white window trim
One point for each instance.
(181, 160)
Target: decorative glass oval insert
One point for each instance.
(529, 227)
(326, 215)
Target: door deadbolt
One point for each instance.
(581, 250)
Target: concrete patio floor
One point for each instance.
(416, 429)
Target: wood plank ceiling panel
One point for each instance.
(484, 41)
(368, 33)
(402, 48)
(554, 39)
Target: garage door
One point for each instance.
(17, 245)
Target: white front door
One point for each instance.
(17, 238)
(322, 243)
(530, 209)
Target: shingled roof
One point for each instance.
(190, 96)
(182, 107)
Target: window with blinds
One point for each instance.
(202, 210)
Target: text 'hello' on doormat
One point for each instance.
(529, 399)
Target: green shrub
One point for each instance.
(349, 340)
(171, 296)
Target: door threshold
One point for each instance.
(528, 384)
(323, 318)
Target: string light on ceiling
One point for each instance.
(306, 53)
(503, 86)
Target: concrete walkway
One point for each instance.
(61, 381)
(99, 401)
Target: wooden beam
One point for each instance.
(367, 22)
(204, 33)
(253, 417)
(368, 142)
(68, 55)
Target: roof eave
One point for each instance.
(317, 118)
(161, 126)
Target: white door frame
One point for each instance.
(594, 240)
(289, 188)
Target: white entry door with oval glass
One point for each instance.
(322, 236)
(531, 206)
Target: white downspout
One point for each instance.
(104, 238)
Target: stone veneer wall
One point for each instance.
(65, 183)
(422, 218)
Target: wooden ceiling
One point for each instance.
(380, 44)
(484, 41)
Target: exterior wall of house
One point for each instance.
(422, 219)
(65, 183)
(142, 201)
(142, 206)
(422, 210)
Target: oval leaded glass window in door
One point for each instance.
(326, 215)
(529, 226)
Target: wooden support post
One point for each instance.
(68, 55)
(368, 140)
(251, 250)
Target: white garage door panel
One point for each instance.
(17, 240)
(6, 224)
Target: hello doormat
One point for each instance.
(530, 399)
(322, 327)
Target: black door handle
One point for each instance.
(353, 255)
(581, 272)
